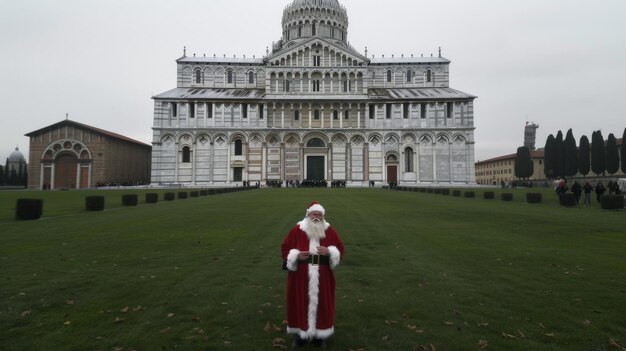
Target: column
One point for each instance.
(366, 162)
(310, 115)
(358, 121)
(193, 163)
(341, 117)
(78, 165)
(212, 161)
(282, 117)
(176, 162)
(264, 161)
(41, 173)
(322, 117)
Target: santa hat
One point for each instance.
(315, 207)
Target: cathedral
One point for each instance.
(314, 108)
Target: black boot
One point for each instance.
(298, 342)
(320, 343)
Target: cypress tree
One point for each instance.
(612, 157)
(584, 156)
(623, 152)
(523, 163)
(548, 158)
(598, 156)
(570, 155)
(1, 175)
(559, 164)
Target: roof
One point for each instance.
(212, 93)
(539, 153)
(240, 60)
(418, 60)
(418, 94)
(68, 122)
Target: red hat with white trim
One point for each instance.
(315, 207)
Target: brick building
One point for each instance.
(72, 155)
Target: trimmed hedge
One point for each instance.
(533, 198)
(438, 191)
(507, 197)
(129, 200)
(456, 192)
(612, 202)
(28, 209)
(489, 195)
(152, 198)
(169, 196)
(94, 203)
(445, 192)
(194, 194)
(204, 192)
(183, 195)
(470, 194)
(430, 190)
(567, 200)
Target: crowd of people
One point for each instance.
(612, 188)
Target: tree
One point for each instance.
(584, 156)
(548, 158)
(570, 155)
(524, 167)
(612, 157)
(559, 164)
(1, 175)
(598, 156)
(623, 152)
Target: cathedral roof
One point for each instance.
(399, 60)
(212, 93)
(71, 123)
(239, 60)
(429, 94)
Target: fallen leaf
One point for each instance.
(267, 327)
(419, 331)
(386, 338)
(277, 328)
(170, 315)
(542, 326)
(390, 322)
(26, 313)
(163, 331)
(482, 325)
(69, 302)
(412, 327)
(118, 319)
(124, 310)
(67, 323)
(227, 342)
(195, 319)
(614, 344)
(508, 336)
(137, 308)
(448, 323)
(483, 344)
(587, 322)
(432, 347)
(549, 334)
(521, 334)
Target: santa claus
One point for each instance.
(311, 250)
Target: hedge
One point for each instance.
(204, 192)
(456, 192)
(533, 198)
(612, 202)
(28, 209)
(152, 198)
(489, 195)
(182, 195)
(129, 200)
(567, 200)
(169, 196)
(194, 194)
(507, 197)
(445, 192)
(94, 203)
(470, 194)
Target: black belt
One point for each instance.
(316, 260)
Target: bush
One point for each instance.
(533, 198)
(430, 190)
(169, 196)
(152, 198)
(438, 191)
(489, 195)
(194, 194)
(567, 200)
(612, 202)
(129, 200)
(204, 192)
(470, 194)
(456, 193)
(27, 209)
(94, 203)
(445, 192)
(182, 195)
(507, 197)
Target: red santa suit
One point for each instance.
(311, 287)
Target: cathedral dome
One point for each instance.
(315, 18)
(16, 156)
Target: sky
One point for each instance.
(558, 63)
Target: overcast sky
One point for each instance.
(559, 63)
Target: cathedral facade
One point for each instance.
(313, 108)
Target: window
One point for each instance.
(296, 115)
(286, 86)
(186, 154)
(209, 110)
(174, 110)
(406, 110)
(299, 31)
(244, 110)
(408, 154)
(198, 76)
(251, 77)
(316, 114)
(313, 29)
(388, 76)
(346, 114)
(372, 111)
(429, 76)
(230, 76)
(409, 76)
(315, 142)
(389, 108)
(316, 85)
(335, 115)
(332, 32)
(237, 174)
(450, 109)
(238, 147)
(192, 110)
(317, 61)
(261, 110)
(345, 86)
(423, 111)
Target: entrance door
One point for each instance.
(84, 177)
(238, 174)
(392, 174)
(65, 172)
(315, 168)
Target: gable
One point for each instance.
(311, 46)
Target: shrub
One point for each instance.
(152, 198)
(94, 203)
(445, 192)
(430, 190)
(612, 202)
(438, 191)
(169, 196)
(182, 195)
(456, 192)
(489, 195)
(27, 209)
(204, 192)
(470, 194)
(567, 200)
(129, 200)
(422, 190)
(533, 198)
(194, 194)
(507, 197)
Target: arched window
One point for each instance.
(315, 142)
(238, 147)
(313, 29)
(388, 76)
(408, 164)
(409, 76)
(335, 114)
(429, 76)
(229, 76)
(251, 77)
(296, 115)
(186, 154)
(198, 76)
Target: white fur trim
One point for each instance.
(319, 334)
(335, 256)
(292, 260)
(316, 208)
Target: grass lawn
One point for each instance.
(421, 272)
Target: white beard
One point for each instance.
(313, 229)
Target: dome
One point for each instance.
(315, 18)
(17, 156)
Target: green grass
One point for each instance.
(419, 269)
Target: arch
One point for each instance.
(185, 154)
(392, 157)
(409, 159)
(294, 136)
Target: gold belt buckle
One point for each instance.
(315, 260)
